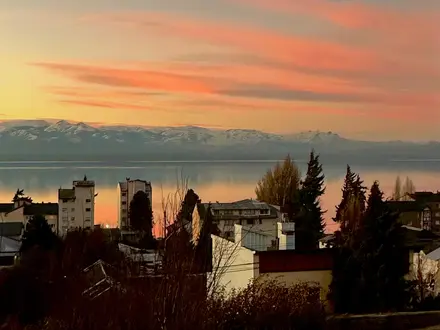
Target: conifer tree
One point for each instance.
(38, 233)
(383, 256)
(309, 223)
(141, 213)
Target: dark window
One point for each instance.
(88, 209)
(124, 203)
(124, 194)
(88, 200)
(250, 221)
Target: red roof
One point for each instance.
(295, 261)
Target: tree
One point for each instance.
(141, 213)
(279, 186)
(371, 262)
(38, 233)
(397, 194)
(350, 210)
(309, 223)
(408, 188)
(384, 256)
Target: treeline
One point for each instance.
(371, 258)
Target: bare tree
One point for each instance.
(280, 184)
(397, 194)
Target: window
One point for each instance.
(64, 209)
(72, 218)
(88, 200)
(216, 212)
(124, 218)
(227, 212)
(72, 209)
(124, 211)
(426, 219)
(437, 214)
(437, 222)
(264, 212)
(124, 203)
(88, 209)
(250, 221)
(65, 218)
(229, 222)
(87, 220)
(124, 194)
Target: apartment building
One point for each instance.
(126, 190)
(76, 206)
(257, 216)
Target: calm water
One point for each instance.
(213, 181)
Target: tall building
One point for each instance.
(76, 206)
(126, 190)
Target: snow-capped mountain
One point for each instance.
(38, 137)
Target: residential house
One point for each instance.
(23, 209)
(76, 206)
(235, 265)
(256, 215)
(126, 190)
(421, 211)
(9, 250)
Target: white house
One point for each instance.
(22, 210)
(76, 206)
(126, 190)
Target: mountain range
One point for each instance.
(43, 140)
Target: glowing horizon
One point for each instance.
(362, 69)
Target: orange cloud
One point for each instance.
(285, 48)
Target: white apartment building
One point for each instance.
(76, 206)
(126, 190)
(257, 216)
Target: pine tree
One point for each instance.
(38, 233)
(383, 256)
(309, 223)
(141, 213)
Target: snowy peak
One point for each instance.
(314, 137)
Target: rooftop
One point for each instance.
(245, 204)
(405, 206)
(41, 209)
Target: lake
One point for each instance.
(212, 181)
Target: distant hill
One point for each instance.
(41, 140)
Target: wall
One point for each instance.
(14, 216)
(233, 265)
(321, 277)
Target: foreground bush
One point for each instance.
(181, 304)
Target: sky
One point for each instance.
(365, 69)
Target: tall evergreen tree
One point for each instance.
(141, 213)
(372, 262)
(309, 223)
(38, 233)
(384, 256)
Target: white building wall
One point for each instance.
(233, 265)
(78, 212)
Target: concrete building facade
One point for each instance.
(76, 206)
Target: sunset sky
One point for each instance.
(364, 69)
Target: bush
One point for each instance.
(175, 300)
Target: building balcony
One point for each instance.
(244, 216)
